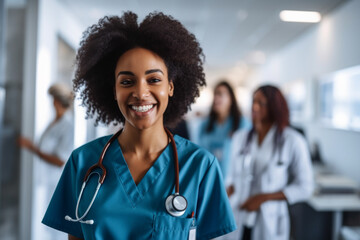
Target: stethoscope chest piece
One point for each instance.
(176, 205)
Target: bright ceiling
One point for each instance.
(234, 34)
(229, 31)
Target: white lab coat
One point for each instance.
(58, 140)
(293, 177)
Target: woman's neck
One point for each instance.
(221, 117)
(59, 113)
(262, 129)
(143, 142)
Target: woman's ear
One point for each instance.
(114, 92)
(171, 88)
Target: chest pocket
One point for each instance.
(168, 227)
(277, 177)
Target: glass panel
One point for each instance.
(340, 99)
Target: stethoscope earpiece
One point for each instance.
(176, 205)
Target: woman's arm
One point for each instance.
(302, 179)
(71, 237)
(230, 190)
(300, 169)
(253, 203)
(28, 144)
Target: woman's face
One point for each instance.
(142, 87)
(259, 108)
(222, 100)
(57, 105)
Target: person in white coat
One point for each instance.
(52, 151)
(270, 169)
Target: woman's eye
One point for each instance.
(154, 80)
(126, 82)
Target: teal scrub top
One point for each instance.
(124, 210)
(218, 141)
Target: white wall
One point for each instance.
(53, 21)
(329, 46)
(45, 21)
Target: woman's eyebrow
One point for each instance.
(146, 72)
(125, 73)
(154, 70)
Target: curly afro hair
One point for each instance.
(104, 42)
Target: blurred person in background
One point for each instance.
(270, 169)
(53, 149)
(224, 119)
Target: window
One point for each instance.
(339, 99)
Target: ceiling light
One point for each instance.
(241, 15)
(257, 57)
(300, 16)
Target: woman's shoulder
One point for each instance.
(292, 135)
(192, 150)
(240, 134)
(89, 153)
(94, 146)
(67, 120)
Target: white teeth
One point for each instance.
(144, 108)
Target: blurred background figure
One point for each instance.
(270, 168)
(53, 150)
(224, 119)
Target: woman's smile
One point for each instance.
(142, 88)
(142, 109)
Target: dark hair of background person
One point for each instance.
(278, 111)
(103, 44)
(235, 112)
(277, 107)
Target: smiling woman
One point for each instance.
(144, 76)
(105, 42)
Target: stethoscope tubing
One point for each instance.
(102, 177)
(176, 159)
(99, 164)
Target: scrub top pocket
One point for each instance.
(169, 227)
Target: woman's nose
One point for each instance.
(255, 106)
(141, 90)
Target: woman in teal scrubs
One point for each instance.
(144, 76)
(224, 119)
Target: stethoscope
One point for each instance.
(175, 203)
(248, 163)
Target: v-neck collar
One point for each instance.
(267, 140)
(263, 153)
(134, 192)
(224, 124)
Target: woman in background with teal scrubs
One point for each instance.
(144, 76)
(224, 119)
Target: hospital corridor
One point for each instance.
(205, 119)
